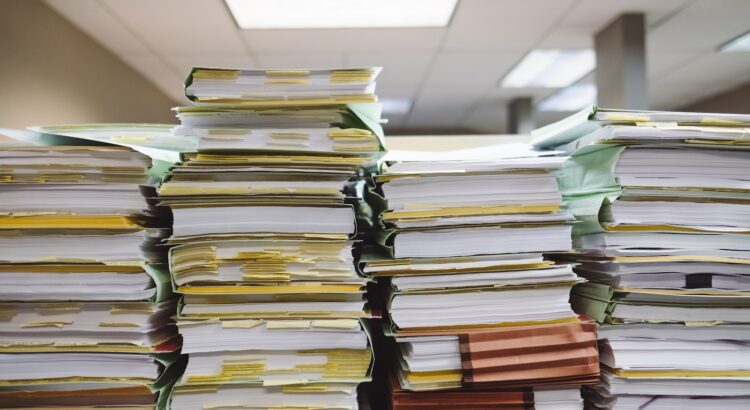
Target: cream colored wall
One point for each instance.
(51, 72)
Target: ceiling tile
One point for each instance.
(301, 61)
(568, 37)
(702, 26)
(99, 24)
(180, 26)
(507, 25)
(470, 70)
(662, 63)
(184, 62)
(159, 73)
(727, 69)
(308, 42)
(398, 69)
(596, 14)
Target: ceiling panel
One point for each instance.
(398, 68)
(596, 14)
(568, 37)
(100, 24)
(660, 64)
(502, 25)
(184, 62)
(301, 61)
(159, 73)
(702, 26)
(470, 70)
(307, 42)
(180, 26)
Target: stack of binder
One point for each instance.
(264, 227)
(85, 306)
(472, 302)
(663, 204)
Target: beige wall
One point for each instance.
(735, 101)
(51, 72)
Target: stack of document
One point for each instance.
(663, 204)
(472, 301)
(263, 233)
(85, 305)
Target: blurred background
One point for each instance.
(450, 66)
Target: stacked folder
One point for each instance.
(472, 301)
(264, 227)
(663, 204)
(85, 306)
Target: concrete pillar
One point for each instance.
(520, 116)
(621, 80)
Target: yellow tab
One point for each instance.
(288, 324)
(58, 324)
(703, 323)
(336, 324)
(240, 324)
(118, 324)
(67, 222)
(131, 138)
(467, 211)
(282, 382)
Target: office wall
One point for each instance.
(51, 72)
(736, 100)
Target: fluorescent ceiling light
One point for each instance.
(550, 69)
(572, 98)
(737, 45)
(395, 105)
(310, 14)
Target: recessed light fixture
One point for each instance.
(737, 45)
(318, 14)
(395, 105)
(571, 98)
(550, 68)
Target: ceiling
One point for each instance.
(450, 73)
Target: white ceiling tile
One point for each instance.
(398, 69)
(184, 62)
(700, 78)
(159, 73)
(568, 37)
(180, 26)
(99, 24)
(471, 70)
(662, 63)
(310, 42)
(508, 25)
(596, 14)
(727, 69)
(702, 26)
(301, 61)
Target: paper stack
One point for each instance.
(473, 303)
(663, 200)
(264, 225)
(85, 306)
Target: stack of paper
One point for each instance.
(663, 200)
(472, 301)
(85, 306)
(264, 226)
